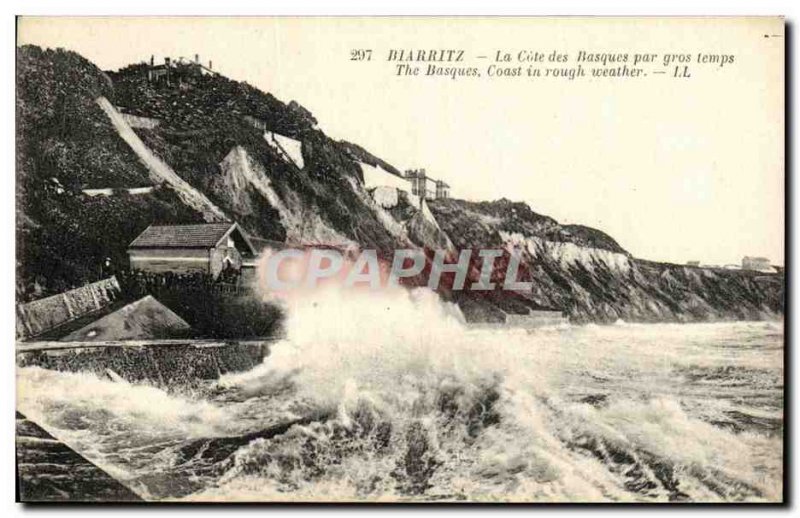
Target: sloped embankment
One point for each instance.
(159, 170)
(216, 165)
(209, 115)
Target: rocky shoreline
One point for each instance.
(50, 471)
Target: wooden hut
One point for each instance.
(181, 249)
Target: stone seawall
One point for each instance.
(39, 316)
(163, 363)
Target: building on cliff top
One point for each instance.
(175, 71)
(426, 187)
(415, 182)
(199, 248)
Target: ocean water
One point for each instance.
(388, 397)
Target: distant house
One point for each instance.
(760, 264)
(376, 176)
(205, 248)
(692, 263)
(415, 182)
(442, 190)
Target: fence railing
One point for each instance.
(141, 283)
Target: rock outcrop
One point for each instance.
(592, 278)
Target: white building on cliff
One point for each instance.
(415, 182)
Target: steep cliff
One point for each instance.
(298, 180)
(590, 276)
(66, 143)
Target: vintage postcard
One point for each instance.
(417, 259)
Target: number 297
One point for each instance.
(360, 54)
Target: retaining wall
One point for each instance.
(39, 316)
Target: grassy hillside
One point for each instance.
(200, 101)
(65, 143)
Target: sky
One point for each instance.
(674, 169)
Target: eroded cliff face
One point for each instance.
(595, 279)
